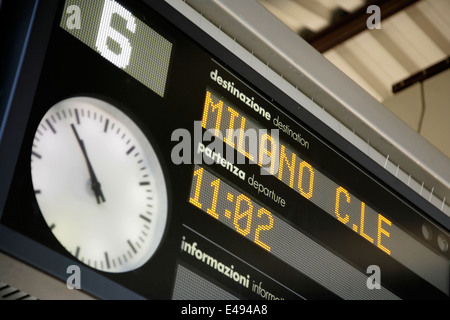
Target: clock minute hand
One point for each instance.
(95, 184)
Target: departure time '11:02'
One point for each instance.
(226, 202)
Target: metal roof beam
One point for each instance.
(354, 23)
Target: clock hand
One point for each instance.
(95, 184)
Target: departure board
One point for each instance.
(152, 161)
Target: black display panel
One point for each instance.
(164, 168)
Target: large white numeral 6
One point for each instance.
(121, 59)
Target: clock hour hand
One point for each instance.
(95, 184)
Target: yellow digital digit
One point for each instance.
(340, 190)
(363, 206)
(229, 139)
(238, 216)
(382, 219)
(263, 151)
(218, 106)
(260, 228)
(212, 211)
(309, 193)
(199, 174)
(241, 141)
(291, 166)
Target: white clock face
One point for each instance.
(99, 184)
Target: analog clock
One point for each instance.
(99, 184)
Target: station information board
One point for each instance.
(153, 161)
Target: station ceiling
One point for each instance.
(413, 35)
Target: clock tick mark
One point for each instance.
(77, 116)
(106, 125)
(107, 261)
(37, 155)
(130, 150)
(51, 127)
(145, 218)
(131, 246)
